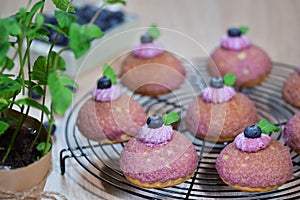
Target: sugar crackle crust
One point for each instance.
(160, 166)
(261, 171)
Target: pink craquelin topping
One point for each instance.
(235, 43)
(108, 94)
(252, 144)
(155, 136)
(217, 95)
(148, 50)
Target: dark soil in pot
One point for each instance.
(22, 154)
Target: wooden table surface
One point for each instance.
(198, 25)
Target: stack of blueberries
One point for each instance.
(106, 20)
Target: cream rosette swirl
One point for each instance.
(255, 138)
(148, 47)
(217, 95)
(252, 144)
(219, 90)
(108, 94)
(107, 90)
(158, 130)
(234, 40)
(155, 137)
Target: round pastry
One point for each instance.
(150, 70)
(291, 89)
(220, 113)
(110, 116)
(291, 133)
(254, 162)
(158, 156)
(238, 56)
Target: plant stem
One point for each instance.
(51, 121)
(11, 142)
(42, 8)
(96, 14)
(44, 99)
(13, 58)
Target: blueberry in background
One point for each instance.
(106, 20)
(46, 124)
(35, 95)
(72, 88)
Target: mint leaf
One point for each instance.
(57, 62)
(64, 5)
(94, 31)
(109, 72)
(57, 29)
(39, 20)
(14, 27)
(81, 36)
(32, 12)
(153, 31)
(65, 19)
(170, 118)
(4, 103)
(61, 96)
(7, 63)
(229, 79)
(9, 87)
(4, 39)
(33, 103)
(41, 146)
(79, 39)
(115, 1)
(267, 127)
(3, 127)
(4, 49)
(41, 34)
(21, 14)
(40, 72)
(244, 30)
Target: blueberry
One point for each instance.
(155, 121)
(146, 38)
(35, 95)
(46, 124)
(216, 82)
(234, 32)
(119, 15)
(50, 19)
(113, 22)
(62, 40)
(252, 131)
(87, 12)
(104, 83)
(72, 88)
(82, 21)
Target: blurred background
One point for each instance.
(192, 28)
(274, 24)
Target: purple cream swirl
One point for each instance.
(235, 43)
(298, 69)
(148, 50)
(252, 144)
(217, 95)
(155, 137)
(108, 94)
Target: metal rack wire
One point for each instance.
(101, 161)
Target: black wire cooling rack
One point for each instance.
(102, 161)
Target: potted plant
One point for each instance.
(24, 141)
